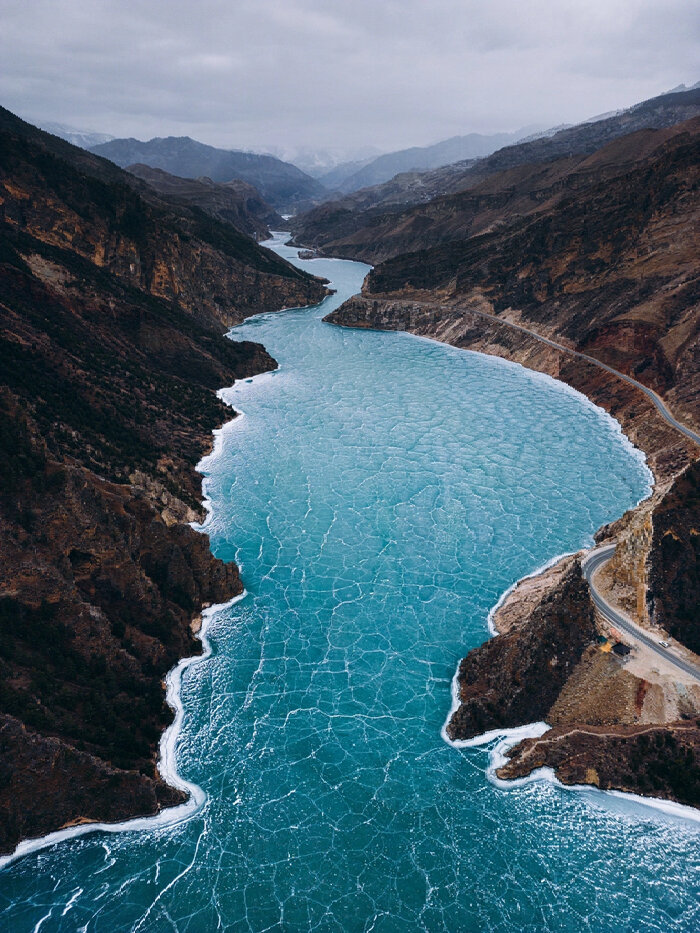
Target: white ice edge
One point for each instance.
(510, 737)
(621, 802)
(528, 576)
(277, 236)
(632, 804)
(167, 763)
(167, 766)
(612, 423)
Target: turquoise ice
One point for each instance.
(380, 492)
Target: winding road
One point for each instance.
(656, 400)
(593, 561)
(597, 557)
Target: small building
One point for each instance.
(621, 649)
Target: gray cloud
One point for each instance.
(251, 73)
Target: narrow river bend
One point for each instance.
(380, 493)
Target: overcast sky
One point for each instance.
(345, 73)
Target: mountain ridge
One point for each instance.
(283, 185)
(235, 202)
(417, 158)
(366, 215)
(114, 301)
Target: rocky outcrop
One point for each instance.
(235, 202)
(608, 273)
(44, 781)
(112, 307)
(660, 762)
(516, 677)
(418, 210)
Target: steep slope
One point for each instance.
(357, 225)
(510, 195)
(422, 158)
(283, 185)
(71, 199)
(610, 270)
(234, 202)
(606, 264)
(112, 309)
(674, 560)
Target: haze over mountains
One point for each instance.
(82, 138)
(376, 223)
(322, 175)
(283, 185)
(353, 176)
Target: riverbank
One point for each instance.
(112, 354)
(545, 663)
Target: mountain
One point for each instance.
(417, 159)
(234, 202)
(605, 261)
(334, 178)
(83, 138)
(508, 195)
(283, 185)
(319, 161)
(356, 225)
(591, 254)
(113, 300)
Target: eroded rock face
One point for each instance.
(515, 678)
(608, 273)
(674, 560)
(112, 309)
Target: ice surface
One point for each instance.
(380, 494)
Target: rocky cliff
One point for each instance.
(235, 202)
(611, 273)
(419, 210)
(674, 560)
(112, 307)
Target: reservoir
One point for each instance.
(379, 493)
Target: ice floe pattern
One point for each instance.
(380, 493)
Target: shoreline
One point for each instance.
(503, 740)
(508, 737)
(664, 456)
(634, 802)
(166, 764)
